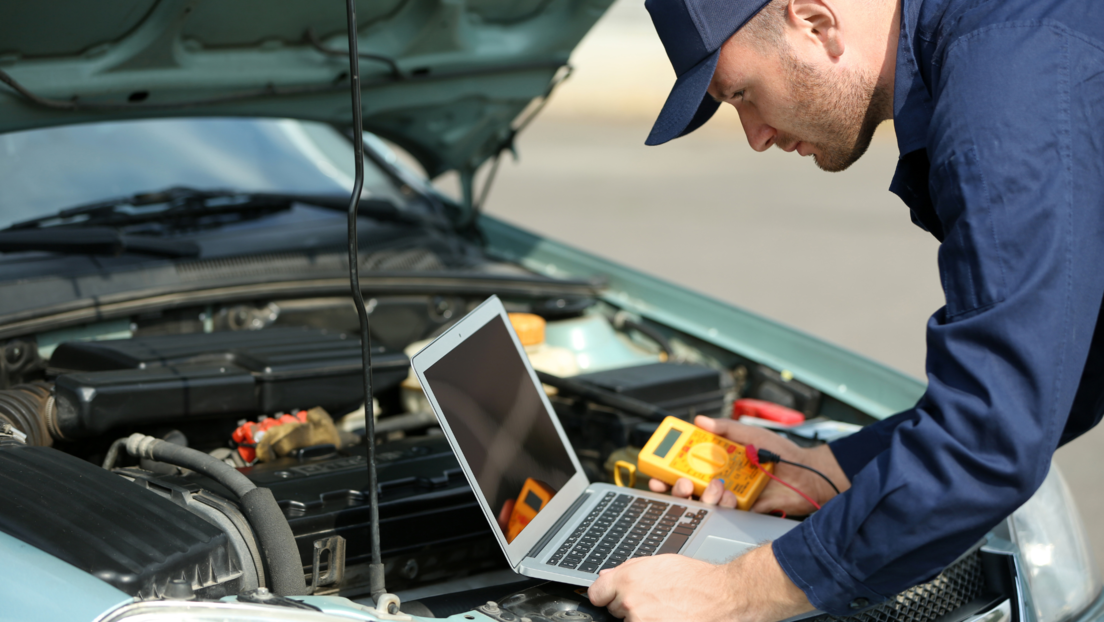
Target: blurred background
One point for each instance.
(832, 254)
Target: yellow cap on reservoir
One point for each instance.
(529, 328)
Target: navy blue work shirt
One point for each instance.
(999, 114)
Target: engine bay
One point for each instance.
(221, 379)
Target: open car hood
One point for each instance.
(449, 77)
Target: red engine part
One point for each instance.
(249, 434)
(766, 410)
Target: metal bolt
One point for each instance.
(14, 353)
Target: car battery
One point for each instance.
(431, 526)
(681, 389)
(684, 390)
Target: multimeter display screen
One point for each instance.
(533, 501)
(498, 418)
(668, 442)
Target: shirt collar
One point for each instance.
(912, 104)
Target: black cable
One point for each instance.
(766, 455)
(376, 568)
(623, 322)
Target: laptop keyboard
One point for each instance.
(622, 527)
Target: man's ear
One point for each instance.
(818, 20)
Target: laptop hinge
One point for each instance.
(543, 542)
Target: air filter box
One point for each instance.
(110, 528)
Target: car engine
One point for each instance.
(196, 377)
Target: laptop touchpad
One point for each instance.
(720, 550)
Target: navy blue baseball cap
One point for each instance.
(692, 32)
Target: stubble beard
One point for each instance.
(838, 113)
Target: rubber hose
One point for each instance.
(284, 566)
(142, 446)
(281, 556)
(586, 390)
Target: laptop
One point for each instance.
(508, 439)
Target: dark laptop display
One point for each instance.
(499, 421)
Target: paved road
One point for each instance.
(832, 254)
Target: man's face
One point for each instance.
(826, 111)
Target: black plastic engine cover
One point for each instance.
(108, 527)
(431, 526)
(105, 384)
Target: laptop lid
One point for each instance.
(499, 422)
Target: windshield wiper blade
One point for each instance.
(92, 241)
(186, 207)
(183, 207)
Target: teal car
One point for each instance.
(173, 265)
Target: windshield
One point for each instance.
(45, 170)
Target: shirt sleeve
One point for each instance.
(1020, 267)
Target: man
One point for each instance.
(997, 109)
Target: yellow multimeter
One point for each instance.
(533, 497)
(681, 449)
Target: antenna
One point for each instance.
(388, 602)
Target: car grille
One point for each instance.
(957, 585)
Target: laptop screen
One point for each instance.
(500, 424)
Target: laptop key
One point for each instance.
(673, 544)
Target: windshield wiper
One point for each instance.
(181, 208)
(92, 241)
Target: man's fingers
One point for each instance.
(683, 488)
(734, 431)
(601, 592)
(712, 493)
(728, 500)
(655, 485)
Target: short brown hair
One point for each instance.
(766, 26)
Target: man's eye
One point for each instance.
(737, 94)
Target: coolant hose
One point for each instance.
(284, 567)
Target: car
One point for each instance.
(183, 428)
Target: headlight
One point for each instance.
(1061, 573)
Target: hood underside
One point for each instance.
(444, 79)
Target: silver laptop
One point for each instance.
(508, 439)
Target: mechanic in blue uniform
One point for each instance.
(998, 107)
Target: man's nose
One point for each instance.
(760, 135)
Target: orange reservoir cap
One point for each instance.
(680, 449)
(534, 495)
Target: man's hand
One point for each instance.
(775, 497)
(751, 588)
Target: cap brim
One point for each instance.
(689, 105)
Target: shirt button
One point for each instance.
(859, 603)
